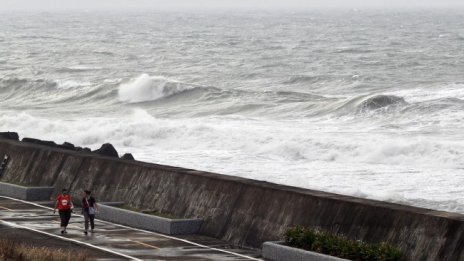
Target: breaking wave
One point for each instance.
(366, 103)
(150, 88)
(380, 101)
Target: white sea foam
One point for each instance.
(69, 84)
(293, 153)
(264, 139)
(455, 90)
(83, 68)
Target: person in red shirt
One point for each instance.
(65, 207)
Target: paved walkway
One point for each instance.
(119, 242)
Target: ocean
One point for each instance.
(361, 103)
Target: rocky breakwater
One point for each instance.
(242, 211)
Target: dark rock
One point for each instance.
(107, 150)
(127, 156)
(39, 142)
(82, 149)
(67, 146)
(9, 135)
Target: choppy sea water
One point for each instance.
(363, 103)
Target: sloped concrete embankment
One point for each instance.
(241, 211)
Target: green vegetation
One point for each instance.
(340, 246)
(150, 212)
(11, 250)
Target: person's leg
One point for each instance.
(63, 220)
(86, 221)
(67, 218)
(92, 222)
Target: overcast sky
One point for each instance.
(219, 4)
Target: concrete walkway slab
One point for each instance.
(122, 241)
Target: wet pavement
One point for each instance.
(37, 240)
(117, 242)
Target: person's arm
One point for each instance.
(82, 208)
(94, 203)
(56, 205)
(71, 202)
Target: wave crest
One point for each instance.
(25, 84)
(381, 101)
(150, 88)
(365, 104)
(78, 68)
(17, 83)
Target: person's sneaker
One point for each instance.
(62, 231)
(91, 231)
(85, 232)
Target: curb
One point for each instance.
(26, 193)
(275, 251)
(148, 222)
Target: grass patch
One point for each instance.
(340, 246)
(150, 212)
(11, 250)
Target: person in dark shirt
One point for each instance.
(89, 209)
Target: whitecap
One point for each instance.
(150, 88)
(455, 90)
(69, 84)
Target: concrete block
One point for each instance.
(149, 222)
(26, 193)
(276, 251)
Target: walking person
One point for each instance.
(65, 206)
(89, 209)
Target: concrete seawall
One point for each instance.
(241, 211)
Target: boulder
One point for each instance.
(39, 142)
(67, 146)
(127, 156)
(85, 149)
(9, 135)
(107, 150)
